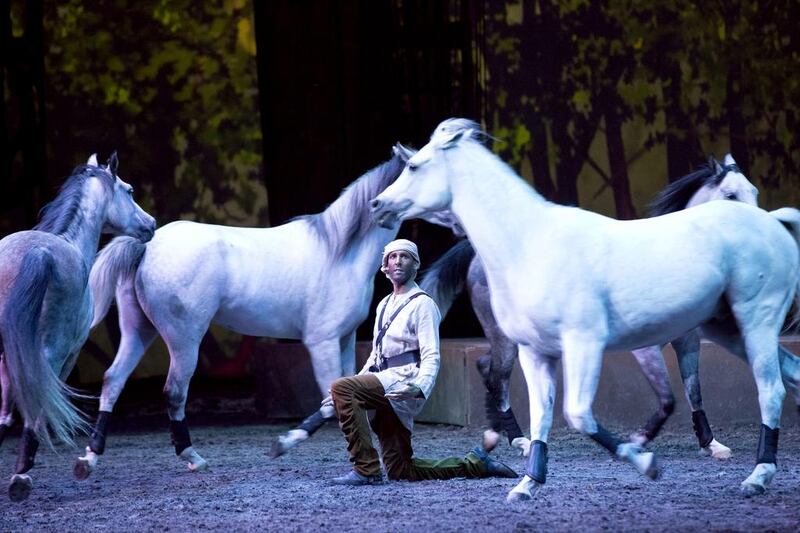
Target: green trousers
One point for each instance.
(352, 398)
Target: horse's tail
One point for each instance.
(790, 218)
(445, 278)
(114, 264)
(41, 397)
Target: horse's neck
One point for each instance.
(84, 231)
(496, 208)
(367, 254)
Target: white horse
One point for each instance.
(460, 268)
(46, 307)
(570, 283)
(308, 279)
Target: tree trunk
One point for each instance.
(683, 148)
(618, 165)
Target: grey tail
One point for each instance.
(41, 397)
(790, 218)
(445, 278)
(114, 264)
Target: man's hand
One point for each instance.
(327, 401)
(411, 391)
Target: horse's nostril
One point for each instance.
(375, 203)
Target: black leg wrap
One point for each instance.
(3, 432)
(768, 445)
(510, 425)
(606, 439)
(492, 413)
(313, 422)
(537, 462)
(701, 428)
(28, 445)
(97, 443)
(179, 432)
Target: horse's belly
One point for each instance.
(260, 321)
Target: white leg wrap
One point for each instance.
(717, 450)
(757, 482)
(195, 462)
(7, 420)
(525, 490)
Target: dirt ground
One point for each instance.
(141, 485)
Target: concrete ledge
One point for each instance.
(285, 387)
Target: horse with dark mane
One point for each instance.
(46, 307)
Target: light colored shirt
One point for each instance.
(416, 327)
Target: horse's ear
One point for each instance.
(452, 141)
(113, 163)
(403, 152)
(92, 161)
(729, 160)
(714, 164)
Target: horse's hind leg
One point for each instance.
(790, 371)
(687, 350)
(651, 361)
(137, 333)
(21, 484)
(6, 403)
(540, 376)
(760, 344)
(183, 362)
(322, 355)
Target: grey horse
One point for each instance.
(46, 307)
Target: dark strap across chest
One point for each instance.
(385, 327)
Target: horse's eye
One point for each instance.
(412, 167)
(130, 191)
(730, 196)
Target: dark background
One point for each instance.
(252, 112)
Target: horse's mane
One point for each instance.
(348, 218)
(64, 211)
(677, 194)
(452, 126)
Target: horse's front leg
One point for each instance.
(6, 402)
(582, 359)
(540, 376)
(329, 358)
(651, 361)
(687, 349)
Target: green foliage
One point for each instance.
(174, 84)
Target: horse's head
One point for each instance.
(123, 214)
(424, 186)
(728, 183)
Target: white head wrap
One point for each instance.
(399, 245)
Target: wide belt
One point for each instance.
(405, 358)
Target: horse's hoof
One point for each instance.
(82, 469)
(194, 461)
(20, 487)
(514, 497)
(490, 440)
(717, 450)
(523, 444)
(749, 490)
(278, 448)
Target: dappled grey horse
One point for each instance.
(46, 307)
(459, 267)
(309, 279)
